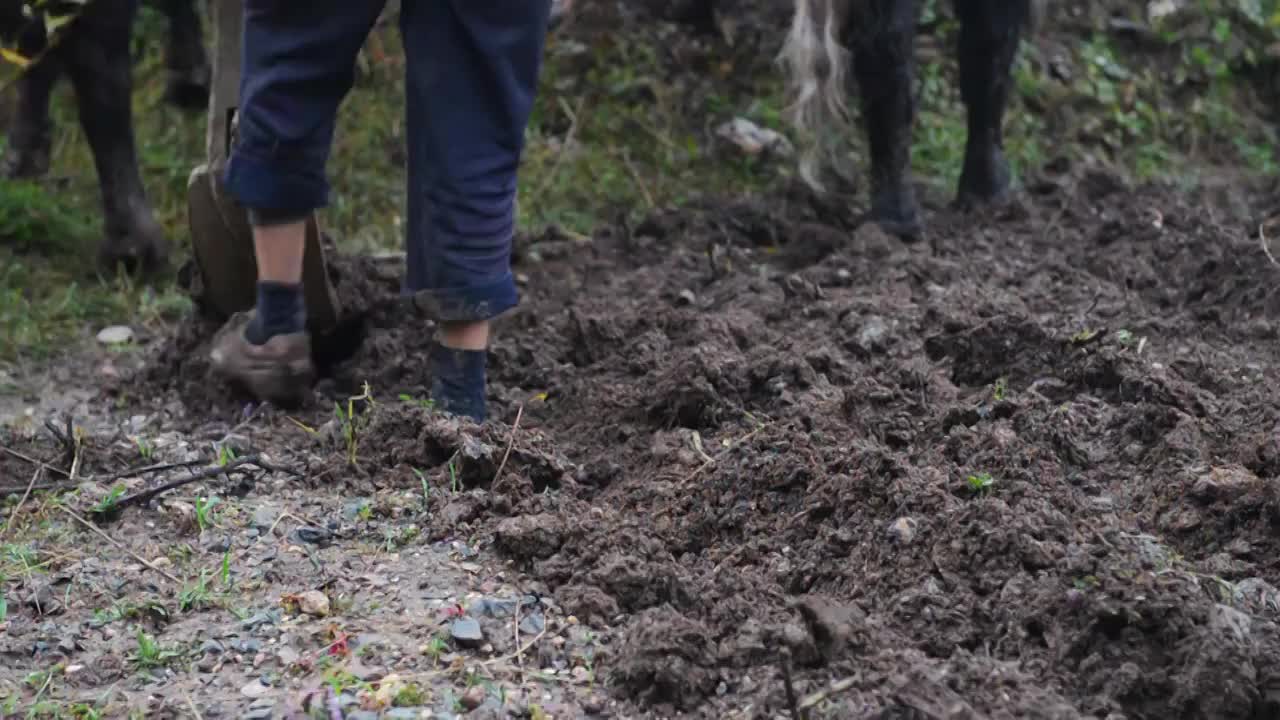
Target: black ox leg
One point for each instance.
(96, 57)
(989, 34)
(188, 64)
(881, 34)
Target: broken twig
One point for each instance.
(826, 694)
(28, 459)
(146, 496)
(18, 508)
(94, 528)
(510, 444)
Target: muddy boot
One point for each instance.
(279, 370)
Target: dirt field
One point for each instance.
(747, 458)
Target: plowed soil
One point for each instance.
(1026, 467)
(754, 459)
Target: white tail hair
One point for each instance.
(816, 67)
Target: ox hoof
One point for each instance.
(20, 164)
(983, 183)
(136, 256)
(188, 89)
(897, 214)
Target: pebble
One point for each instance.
(265, 516)
(115, 335)
(262, 618)
(581, 674)
(314, 603)
(255, 689)
(473, 698)
(903, 530)
(363, 715)
(466, 632)
(261, 709)
(250, 646)
(494, 607)
(211, 647)
(404, 714)
(686, 297)
(873, 333)
(533, 624)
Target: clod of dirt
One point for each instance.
(667, 658)
(834, 626)
(1224, 483)
(530, 536)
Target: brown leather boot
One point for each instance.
(279, 371)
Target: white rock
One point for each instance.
(314, 602)
(115, 335)
(753, 139)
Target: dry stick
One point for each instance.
(33, 461)
(118, 546)
(150, 469)
(1264, 241)
(796, 711)
(146, 496)
(835, 689)
(510, 444)
(708, 463)
(515, 622)
(635, 175)
(564, 147)
(14, 516)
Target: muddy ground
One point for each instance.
(1023, 468)
(750, 458)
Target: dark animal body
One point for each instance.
(94, 54)
(874, 41)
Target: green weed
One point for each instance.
(980, 483)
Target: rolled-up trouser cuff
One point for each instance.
(471, 303)
(271, 186)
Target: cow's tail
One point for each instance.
(815, 65)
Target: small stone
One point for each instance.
(255, 689)
(250, 646)
(903, 530)
(472, 698)
(211, 647)
(873, 332)
(314, 603)
(466, 632)
(494, 607)
(73, 669)
(287, 655)
(115, 335)
(261, 709)
(262, 618)
(843, 275)
(264, 517)
(686, 297)
(581, 674)
(363, 715)
(594, 704)
(404, 714)
(533, 624)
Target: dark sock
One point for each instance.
(280, 311)
(458, 381)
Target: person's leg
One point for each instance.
(298, 65)
(473, 68)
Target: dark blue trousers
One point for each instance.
(472, 70)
